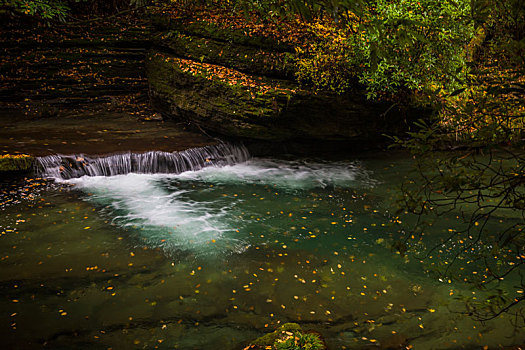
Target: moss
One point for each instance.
(244, 58)
(193, 88)
(289, 336)
(270, 338)
(18, 162)
(213, 31)
(233, 103)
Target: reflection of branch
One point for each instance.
(495, 277)
(505, 309)
(205, 133)
(475, 190)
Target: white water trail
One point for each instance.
(284, 175)
(150, 194)
(161, 219)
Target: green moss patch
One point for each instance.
(16, 162)
(228, 54)
(289, 336)
(194, 85)
(213, 31)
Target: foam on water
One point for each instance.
(158, 218)
(284, 175)
(159, 211)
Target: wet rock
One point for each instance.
(289, 335)
(15, 162)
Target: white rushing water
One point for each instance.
(160, 218)
(284, 175)
(62, 167)
(176, 201)
(160, 211)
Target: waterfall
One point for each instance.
(153, 162)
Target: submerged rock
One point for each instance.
(396, 341)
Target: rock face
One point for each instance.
(242, 86)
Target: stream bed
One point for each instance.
(214, 257)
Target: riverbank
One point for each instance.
(80, 88)
(93, 132)
(241, 78)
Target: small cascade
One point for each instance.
(154, 162)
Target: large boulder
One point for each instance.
(232, 83)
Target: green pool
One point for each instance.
(214, 257)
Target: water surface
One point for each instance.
(215, 257)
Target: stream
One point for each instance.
(212, 248)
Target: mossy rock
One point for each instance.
(270, 110)
(289, 336)
(270, 338)
(16, 162)
(213, 103)
(213, 31)
(188, 69)
(244, 58)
